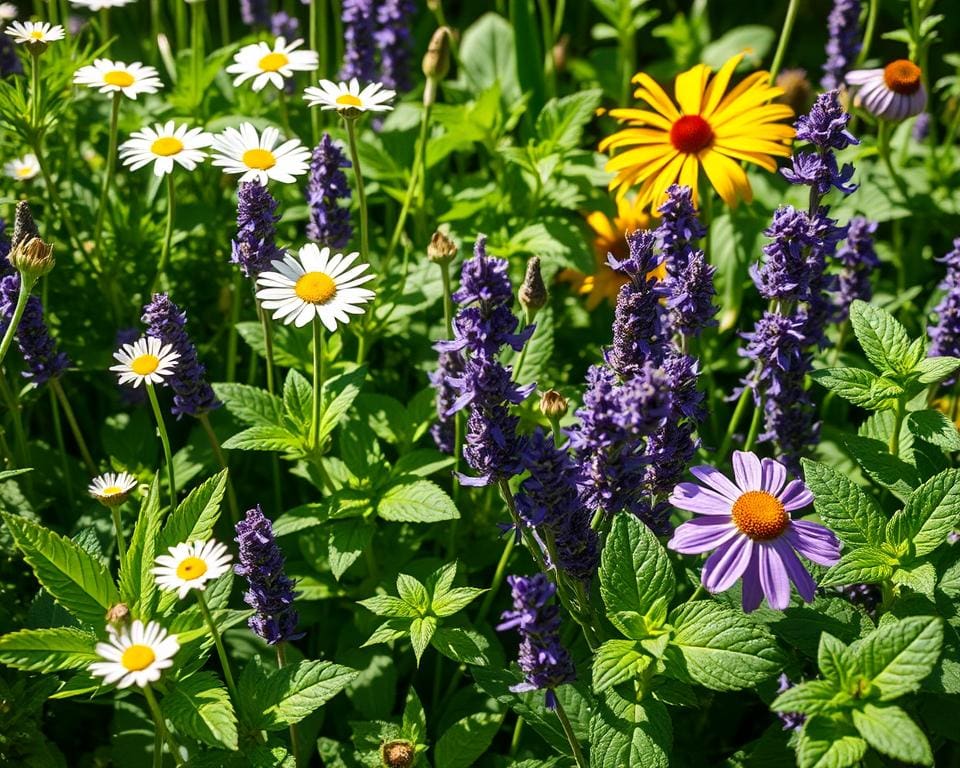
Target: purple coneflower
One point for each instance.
(894, 92)
(748, 527)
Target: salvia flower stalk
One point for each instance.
(327, 190)
(254, 248)
(843, 42)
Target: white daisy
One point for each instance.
(112, 488)
(145, 361)
(22, 168)
(110, 76)
(190, 565)
(8, 12)
(135, 655)
(348, 97)
(164, 144)
(256, 156)
(320, 284)
(35, 32)
(271, 65)
(99, 5)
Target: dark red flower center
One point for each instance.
(691, 134)
(760, 515)
(902, 76)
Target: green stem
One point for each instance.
(546, 27)
(180, 22)
(108, 175)
(105, 25)
(165, 442)
(571, 737)
(883, 147)
(498, 576)
(268, 344)
(167, 235)
(418, 168)
(447, 299)
(784, 41)
(35, 91)
(868, 33)
(224, 24)
(515, 739)
(61, 395)
(161, 728)
(222, 461)
(361, 195)
(197, 16)
(754, 428)
(317, 384)
(26, 285)
(231, 372)
(118, 528)
(738, 412)
(897, 426)
(321, 62)
(218, 642)
(294, 741)
(59, 207)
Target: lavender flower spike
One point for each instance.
(255, 13)
(37, 346)
(327, 186)
(843, 44)
(393, 40)
(254, 247)
(544, 662)
(858, 259)
(270, 591)
(945, 335)
(358, 29)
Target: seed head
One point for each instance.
(32, 258)
(399, 753)
(533, 293)
(553, 405)
(442, 250)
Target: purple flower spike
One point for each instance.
(843, 44)
(945, 335)
(254, 248)
(359, 59)
(327, 187)
(748, 527)
(393, 40)
(39, 350)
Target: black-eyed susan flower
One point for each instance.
(257, 157)
(318, 283)
(112, 488)
(35, 33)
(135, 655)
(711, 129)
(271, 64)
(145, 361)
(349, 97)
(22, 168)
(163, 145)
(190, 565)
(109, 76)
(894, 92)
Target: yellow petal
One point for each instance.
(750, 81)
(664, 178)
(630, 216)
(640, 156)
(748, 101)
(600, 224)
(650, 92)
(688, 89)
(727, 177)
(689, 173)
(630, 136)
(764, 161)
(719, 84)
(641, 117)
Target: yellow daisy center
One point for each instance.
(191, 568)
(166, 146)
(137, 657)
(145, 364)
(118, 78)
(316, 287)
(111, 490)
(902, 76)
(25, 170)
(760, 515)
(349, 100)
(273, 61)
(36, 34)
(690, 134)
(260, 159)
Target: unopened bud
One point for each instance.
(398, 754)
(533, 293)
(118, 615)
(436, 61)
(442, 250)
(32, 258)
(797, 91)
(24, 226)
(433, 5)
(553, 405)
(560, 51)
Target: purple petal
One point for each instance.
(747, 471)
(701, 535)
(796, 496)
(814, 542)
(773, 577)
(752, 591)
(717, 481)
(801, 579)
(693, 498)
(861, 76)
(774, 476)
(727, 564)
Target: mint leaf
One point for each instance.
(346, 541)
(897, 656)
(199, 706)
(931, 512)
(934, 427)
(413, 593)
(411, 499)
(920, 578)
(855, 385)
(881, 466)
(810, 698)
(617, 661)
(464, 742)
(834, 659)
(935, 369)
(251, 405)
(454, 600)
(890, 730)
(137, 584)
(265, 437)
(828, 743)
(844, 506)
(336, 398)
(421, 631)
(295, 691)
(48, 650)
(884, 340)
(626, 733)
(388, 605)
(462, 644)
(866, 565)
(298, 401)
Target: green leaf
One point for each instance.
(528, 54)
(890, 731)
(462, 644)
(935, 369)
(388, 605)
(833, 658)
(265, 437)
(421, 632)
(920, 578)
(884, 340)
(75, 579)
(137, 584)
(489, 56)
(828, 743)
(48, 650)
(866, 565)
(412, 499)
(931, 513)
(854, 385)
(390, 630)
(464, 742)
(454, 600)
(413, 593)
(617, 661)
(338, 395)
(297, 690)
(624, 734)
(881, 466)
(810, 698)
(634, 572)
(934, 427)
(723, 649)
(298, 400)
(251, 405)
(199, 706)
(561, 121)
(347, 539)
(897, 656)
(843, 506)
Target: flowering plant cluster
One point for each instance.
(515, 409)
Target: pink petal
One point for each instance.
(701, 535)
(801, 579)
(727, 564)
(814, 542)
(717, 481)
(693, 498)
(774, 476)
(796, 496)
(773, 577)
(747, 471)
(752, 591)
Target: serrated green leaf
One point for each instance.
(624, 734)
(462, 644)
(561, 121)
(934, 427)
(137, 584)
(346, 541)
(266, 437)
(844, 506)
(421, 632)
(251, 405)
(298, 400)
(881, 466)
(866, 565)
(897, 656)
(75, 579)
(413, 593)
(890, 731)
(920, 578)
(296, 691)
(809, 698)
(466, 740)
(932, 370)
(617, 661)
(930, 514)
(390, 630)
(412, 499)
(883, 339)
(833, 658)
(338, 395)
(199, 706)
(854, 385)
(828, 743)
(388, 605)
(48, 650)
(455, 600)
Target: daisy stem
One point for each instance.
(26, 285)
(419, 167)
(294, 741)
(361, 195)
(218, 642)
(784, 41)
(105, 25)
(222, 461)
(571, 737)
(180, 20)
(317, 16)
(268, 344)
(35, 91)
(738, 412)
(165, 442)
(231, 372)
(224, 24)
(61, 395)
(118, 528)
(167, 235)
(161, 729)
(197, 15)
(868, 33)
(317, 384)
(108, 175)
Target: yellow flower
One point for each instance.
(711, 129)
(611, 237)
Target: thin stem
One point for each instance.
(317, 384)
(224, 24)
(25, 287)
(161, 728)
(59, 207)
(197, 16)
(35, 91)
(165, 442)
(784, 41)
(515, 739)
(222, 461)
(231, 372)
(754, 428)
(883, 147)
(180, 22)
(361, 195)
(268, 344)
(419, 167)
(108, 174)
(167, 235)
(321, 63)
(218, 642)
(118, 529)
(738, 412)
(447, 299)
(294, 740)
(498, 576)
(571, 737)
(61, 395)
(868, 33)
(897, 426)
(546, 26)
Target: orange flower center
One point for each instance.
(902, 76)
(691, 134)
(760, 515)
(191, 568)
(273, 61)
(315, 288)
(137, 657)
(118, 78)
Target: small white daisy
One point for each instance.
(320, 284)
(8, 12)
(256, 156)
(112, 488)
(135, 655)
(109, 76)
(163, 145)
(145, 361)
(99, 5)
(348, 97)
(271, 65)
(190, 565)
(35, 32)
(22, 168)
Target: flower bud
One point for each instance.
(399, 753)
(561, 52)
(533, 293)
(24, 226)
(436, 61)
(118, 615)
(441, 250)
(32, 258)
(797, 91)
(553, 405)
